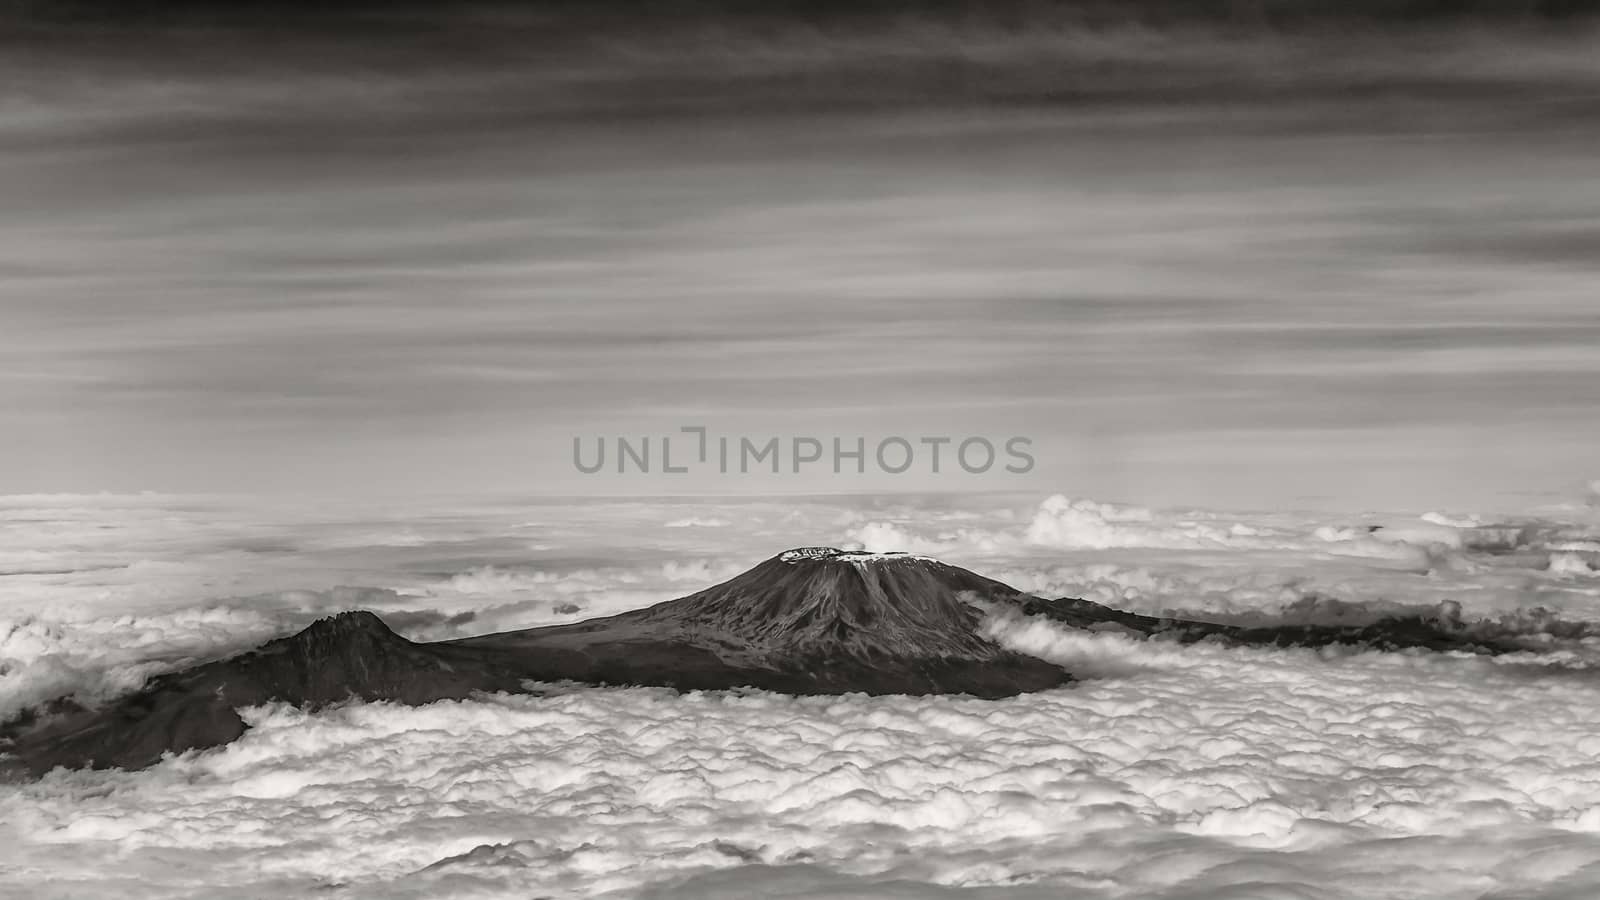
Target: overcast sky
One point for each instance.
(1191, 270)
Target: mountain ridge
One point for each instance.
(813, 620)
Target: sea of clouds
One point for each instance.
(1168, 772)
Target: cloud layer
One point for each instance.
(1169, 772)
(1193, 773)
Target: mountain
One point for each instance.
(809, 621)
(352, 654)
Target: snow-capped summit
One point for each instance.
(837, 603)
(814, 620)
(833, 554)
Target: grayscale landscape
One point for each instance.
(728, 449)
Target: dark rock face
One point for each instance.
(1392, 633)
(815, 621)
(349, 655)
(810, 621)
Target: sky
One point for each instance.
(1328, 268)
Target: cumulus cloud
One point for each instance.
(1078, 524)
(1058, 522)
(1570, 564)
(94, 659)
(1423, 532)
(1085, 524)
(697, 522)
(887, 537)
(1437, 518)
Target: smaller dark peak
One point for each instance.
(356, 638)
(345, 627)
(355, 620)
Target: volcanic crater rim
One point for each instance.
(816, 554)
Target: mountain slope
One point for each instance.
(351, 655)
(1408, 632)
(812, 621)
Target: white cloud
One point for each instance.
(1407, 787)
(1086, 524)
(41, 660)
(1170, 772)
(1570, 564)
(697, 522)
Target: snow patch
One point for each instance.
(811, 554)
